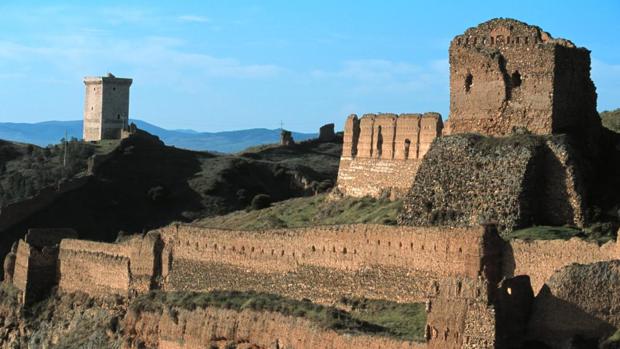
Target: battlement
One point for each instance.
(381, 152)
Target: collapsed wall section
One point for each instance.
(31, 266)
(513, 181)
(381, 152)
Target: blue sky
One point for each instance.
(225, 65)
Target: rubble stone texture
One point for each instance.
(507, 75)
(382, 152)
(514, 182)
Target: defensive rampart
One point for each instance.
(456, 271)
(322, 264)
(541, 258)
(381, 152)
(31, 266)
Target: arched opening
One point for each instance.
(516, 79)
(379, 142)
(469, 81)
(407, 146)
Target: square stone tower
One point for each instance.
(507, 75)
(106, 107)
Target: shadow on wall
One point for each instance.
(561, 324)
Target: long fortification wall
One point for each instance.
(541, 258)
(322, 264)
(381, 152)
(93, 267)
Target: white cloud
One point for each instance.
(157, 57)
(372, 75)
(194, 18)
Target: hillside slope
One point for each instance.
(143, 184)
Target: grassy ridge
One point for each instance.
(402, 321)
(310, 211)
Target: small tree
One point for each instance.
(261, 201)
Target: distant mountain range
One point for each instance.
(50, 132)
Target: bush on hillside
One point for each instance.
(261, 201)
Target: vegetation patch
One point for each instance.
(310, 211)
(403, 321)
(611, 120)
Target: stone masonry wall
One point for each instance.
(381, 152)
(93, 267)
(506, 74)
(323, 263)
(216, 328)
(36, 257)
(541, 258)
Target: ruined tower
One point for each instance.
(106, 107)
(507, 75)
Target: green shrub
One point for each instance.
(261, 201)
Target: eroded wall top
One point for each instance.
(507, 75)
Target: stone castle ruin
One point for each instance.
(477, 288)
(106, 107)
(513, 153)
(507, 75)
(530, 100)
(381, 152)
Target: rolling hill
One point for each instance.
(50, 132)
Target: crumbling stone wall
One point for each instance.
(539, 259)
(514, 182)
(326, 133)
(286, 138)
(397, 263)
(506, 74)
(35, 262)
(381, 152)
(579, 299)
(217, 328)
(94, 268)
(98, 268)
